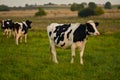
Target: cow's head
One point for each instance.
(5, 24)
(9, 23)
(28, 22)
(92, 28)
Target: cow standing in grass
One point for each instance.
(70, 35)
(20, 30)
(6, 26)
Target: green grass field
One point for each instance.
(32, 61)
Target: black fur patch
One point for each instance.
(16, 27)
(63, 45)
(68, 34)
(96, 24)
(50, 33)
(25, 28)
(80, 33)
(60, 32)
(28, 22)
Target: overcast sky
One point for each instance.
(40, 2)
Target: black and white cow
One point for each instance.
(20, 30)
(70, 35)
(6, 26)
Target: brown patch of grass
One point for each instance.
(18, 13)
(50, 13)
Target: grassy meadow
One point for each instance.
(32, 61)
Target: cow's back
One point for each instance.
(61, 34)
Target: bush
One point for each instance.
(40, 12)
(90, 12)
(98, 11)
(86, 12)
(4, 8)
(118, 7)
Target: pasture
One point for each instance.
(32, 61)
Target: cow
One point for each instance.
(6, 26)
(70, 36)
(20, 29)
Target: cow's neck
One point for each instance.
(80, 33)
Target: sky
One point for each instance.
(13, 3)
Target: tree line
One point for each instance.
(83, 9)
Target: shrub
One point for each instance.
(90, 12)
(98, 11)
(118, 7)
(40, 12)
(86, 12)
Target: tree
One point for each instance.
(77, 7)
(4, 8)
(118, 7)
(40, 12)
(74, 7)
(107, 5)
(80, 7)
(84, 3)
(91, 10)
(92, 5)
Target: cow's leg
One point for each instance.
(17, 38)
(73, 52)
(81, 48)
(4, 32)
(20, 39)
(53, 52)
(25, 38)
(9, 34)
(14, 34)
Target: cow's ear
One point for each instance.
(96, 23)
(30, 21)
(87, 24)
(16, 25)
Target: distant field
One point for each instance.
(32, 61)
(50, 13)
(55, 13)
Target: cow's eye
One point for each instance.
(90, 29)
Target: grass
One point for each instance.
(32, 61)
